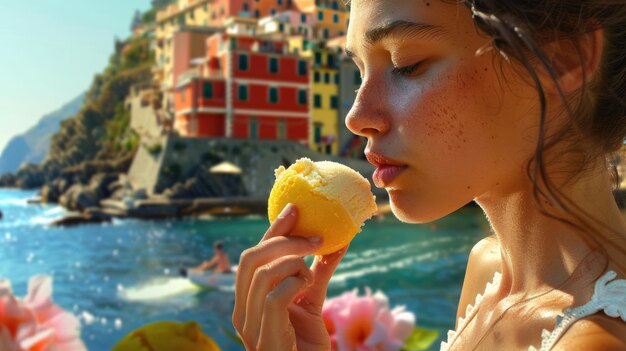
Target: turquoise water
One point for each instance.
(122, 275)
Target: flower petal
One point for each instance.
(39, 290)
(404, 323)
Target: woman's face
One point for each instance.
(443, 126)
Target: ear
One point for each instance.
(569, 59)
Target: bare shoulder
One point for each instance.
(484, 261)
(595, 333)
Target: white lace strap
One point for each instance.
(608, 296)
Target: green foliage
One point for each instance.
(154, 149)
(421, 339)
(148, 17)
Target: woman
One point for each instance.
(513, 104)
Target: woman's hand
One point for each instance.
(278, 299)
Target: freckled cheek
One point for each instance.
(437, 118)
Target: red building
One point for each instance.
(245, 88)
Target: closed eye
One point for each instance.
(408, 71)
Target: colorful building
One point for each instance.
(291, 88)
(245, 88)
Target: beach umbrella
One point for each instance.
(225, 168)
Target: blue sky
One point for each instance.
(50, 51)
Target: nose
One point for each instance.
(369, 114)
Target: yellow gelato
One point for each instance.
(333, 201)
(167, 336)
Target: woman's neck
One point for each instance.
(541, 253)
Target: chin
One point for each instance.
(412, 209)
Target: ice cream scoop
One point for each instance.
(333, 201)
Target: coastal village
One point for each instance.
(236, 88)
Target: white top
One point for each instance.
(609, 296)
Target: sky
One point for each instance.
(50, 51)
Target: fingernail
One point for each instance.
(286, 211)
(315, 239)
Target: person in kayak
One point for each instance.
(220, 261)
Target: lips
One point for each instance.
(386, 169)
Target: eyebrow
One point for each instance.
(405, 28)
(401, 28)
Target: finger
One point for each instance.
(259, 255)
(323, 268)
(275, 326)
(266, 278)
(284, 223)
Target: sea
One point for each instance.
(119, 276)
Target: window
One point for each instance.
(336, 78)
(253, 128)
(317, 101)
(331, 60)
(272, 12)
(317, 134)
(246, 7)
(273, 95)
(243, 62)
(281, 129)
(326, 34)
(327, 78)
(334, 102)
(316, 77)
(335, 18)
(320, 16)
(302, 97)
(242, 93)
(318, 58)
(207, 90)
(273, 65)
(181, 20)
(303, 18)
(280, 2)
(302, 69)
(257, 14)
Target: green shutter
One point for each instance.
(243, 92)
(273, 95)
(273, 65)
(317, 101)
(302, 97)
(243, 62)
(207, 90)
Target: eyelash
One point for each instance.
(407, 70)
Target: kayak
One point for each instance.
(210, 279)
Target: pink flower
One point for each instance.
(35, 323)
(365, 323)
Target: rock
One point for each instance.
(77, 219)
(29, 176)
(35, 201)
(1, 215)
(78, 197)
(7, 180)
(100, 182)
(97, 213)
